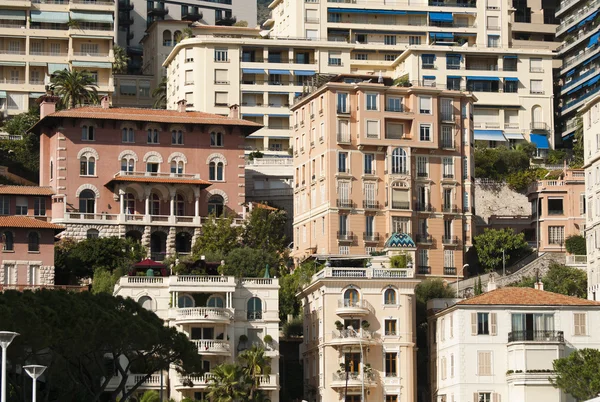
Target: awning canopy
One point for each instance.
(510, 56)
(12, 63)
(513, 136)
(441, 17)
(92, 64)
(592, 81)
(454, 77)
(2, 94)
(591, 59)
(441, 35)
(37, 64)
(252, 115)
(304, 73)
(281, 72)
(92, 17)
(36, 94)
(54, 67)
(570, 73)
(279, 115)
(540, 141)
(108, 35)
(593, 39)
(253, 71)
(577, 88)
(489, 135)
(13, 15)
(50, 17)
(429, 77)
(511, 79)
(364, 11)
(483, 78)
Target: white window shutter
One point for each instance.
(493, 319)
(475, 397)
(473, 323)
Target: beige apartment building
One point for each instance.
(373, 159)
(359, 335)
(39, 37)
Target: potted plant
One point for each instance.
(243, 338)
(365, 324)
(338, 325)
(268, 339)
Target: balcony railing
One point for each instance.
(453, 209)
(400, 204)
(447, 143)
(345, 236)
(424, 270)
(424, 239)
(343, 138)
(211, 346)
(449, 270)
(450, 240)
(539, 126)
(370, 272)
(371, 237)
(424, 207)
(536, 336)
(370, 204)
(346, 204)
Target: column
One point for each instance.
(121, 205)
(172, 209)
(197, 206)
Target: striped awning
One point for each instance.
(50, 17)
(13, 15)
(102, 18)
(91, 64)
(54, 67)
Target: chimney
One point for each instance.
(181, 105)
(491, 285)
(234, 111)
(539, 285)
(47, 104)
(105, 102)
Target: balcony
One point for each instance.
(371, 237)
(125, 5)
(422, 175)
(200, 315)
(158, 11)
(343, 138)
(536, 336)
(448, 176)
(449, 270)
(424, 239)
(371, 204)
(424, 270)
(540, 126)
(450, 241)
(450, 209)
(404, 205)
(212, 347)
(353, 308)
(352, 380)
(424, 207)
(345, 204)
(345, 236)
(350, 337)
(191, 16)
(447, 143)
(448, 118)
(576, 260)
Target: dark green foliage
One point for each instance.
(160, 94)
(19, 124)
(264, 229)
(556, 157)
(293, 328)
(250, 262)
(104, 280)
(578, 374)
(22, 157)
(498, 163)
(491, 242)
(262, 11)
(478, 287)
(290, 284)
(400, 261)
(576, 245)
(561, 279)
(520, 181)
(74, 88)
(218, 236)
(577, 161)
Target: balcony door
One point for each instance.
(530, 327)
(352, 362)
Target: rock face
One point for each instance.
(495, 198)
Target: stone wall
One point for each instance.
(495, 198)
(79, 231)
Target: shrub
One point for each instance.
(268, 339)
(243, 338)
(519, 181)
(556, 157)
(400, 261)
(293, 328)
(576, 245)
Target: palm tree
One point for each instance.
(74, 87)
(121, 59)
(160, 95)
(150, 396)
(228, 384)
(256, 365)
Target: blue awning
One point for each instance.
(441, 17)
(441, 35)
(428, 55)
(54, 67)
(278, 93)
(540, 141)
(572, 91)
(572, 29)
(12, 15)
(304, 73)
(489, 135)
(91, 64)
(417, 13)
(429, 77)
(568, 136)
(570, 73)
(253, 71)
(591, 59)
(92, 17)
(593, 39)
(511, 79)
(455, 77)
(592, 81)
(50, 17)
(453, 56)
(484, 78)
(281, 72)
(364, 11)
(510, 56)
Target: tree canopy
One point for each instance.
(75, 334)
(578, 374)
(74, 88)
(21, 156)
(121, 60)
(560, 279)
(290, 284)
(575, 244)
(491, 242)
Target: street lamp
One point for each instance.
(34, 371)
(458, 272)
(6, 337)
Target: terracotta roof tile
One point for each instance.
(514, 296)
(26, 190)
(26, 222)
(170, 180)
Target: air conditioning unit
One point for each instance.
(189, 60)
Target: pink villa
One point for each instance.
(153, 175)
(27, 238)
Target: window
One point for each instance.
(51, 170)
(391, 364)
(87, 133)
(87, 165)
(448, 165)
(221, 77)
(343, 225)
(8, 241)
(129, 205)
(335, 59)
(176, 137)
(369, 225)
(536, 87)
(493, 41)
(447, 137)
(369, 165)
(342, 103)
(216, 139)
(443, 372)
(483, 396)
(390, 327)
(391, 398)
(414, 40)
(33, 240)
(152, 136)
(185, 301)
(453, 61)
(531, 327)
(394, 131)
(177, 167)
(399, 165)
(179, 205)
(511, 86)
(556, 235)
(389, 296)
(152, 166)
(372, 129)
(423, 259)
(87, 202)
(482, 323)
(427, 61)
(424, 132)
(389, 39)
(92, 234)
(221, 55)
(215, 171)
(361, 56)
(221, 98)
(127, 135)
(254, 311)
(484, 363)
(535, 65)
(453, 83)
(579, 320)
(400, 224)
(21, 204)
(39, 206)
(451, 360)
(216, 205)
(493, 23)
(394, 104)
(215, 301)
(425, 104)
(342, 162)
(127, 164)
(372, 101)
(555, 206)
(422, 166)
(448, 257)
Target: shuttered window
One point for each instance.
(580, 327)
(484, 363)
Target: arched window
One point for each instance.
(179, 205)
(398, 161)
(215, 171)
(34, 241)
(129, 204)
(92, 234)
(177, 137)
(145, 302)
(185, 301)
(255, 309)
(216, 139)
(177, 167)
(215, 301)
(537, 114)
(8, 241)
(153, 164)
(128, 135)
(350, 298)
(389, 296)
(87, 133)
(153, 136)
(167, 39)
(177, 36)
(154, 204)
(87, 202)
(216, 205)
(87, 165)
(127, 164)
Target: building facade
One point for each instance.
(26, 236)
(214, 312)
(40, 38)
(373, 159)
(533, 24)
(154, 175)
(359, 335)
(500, 346)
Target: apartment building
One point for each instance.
(591, 141)
(578, 76)
(38, 38)
(373, 159)
(222, 315)
(558, 209)
(26, 237)
(359, 335)
(533, 24)
(500, 346)
(154, 175)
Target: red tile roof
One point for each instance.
(513, 296)
(26, 190)
(26, 222)
(169, 180)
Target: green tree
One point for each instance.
(556, 157)
(491, 242)
(575, 244)
(19, 124)
(250, 262)
(150, 396)
(228, 384)
(121, 60)
(104, 281)
(21, 156)
(577, 160)
(561, 279)
(160, 95)
(478, 287)
(578, 374)
(290, 284)
(265, 229)
(218, 236)
(74, 88)
(256, 364)
(241, 23)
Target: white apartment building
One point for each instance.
(591, 142)
(500, 346)
(39, 37)
(214, 311)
